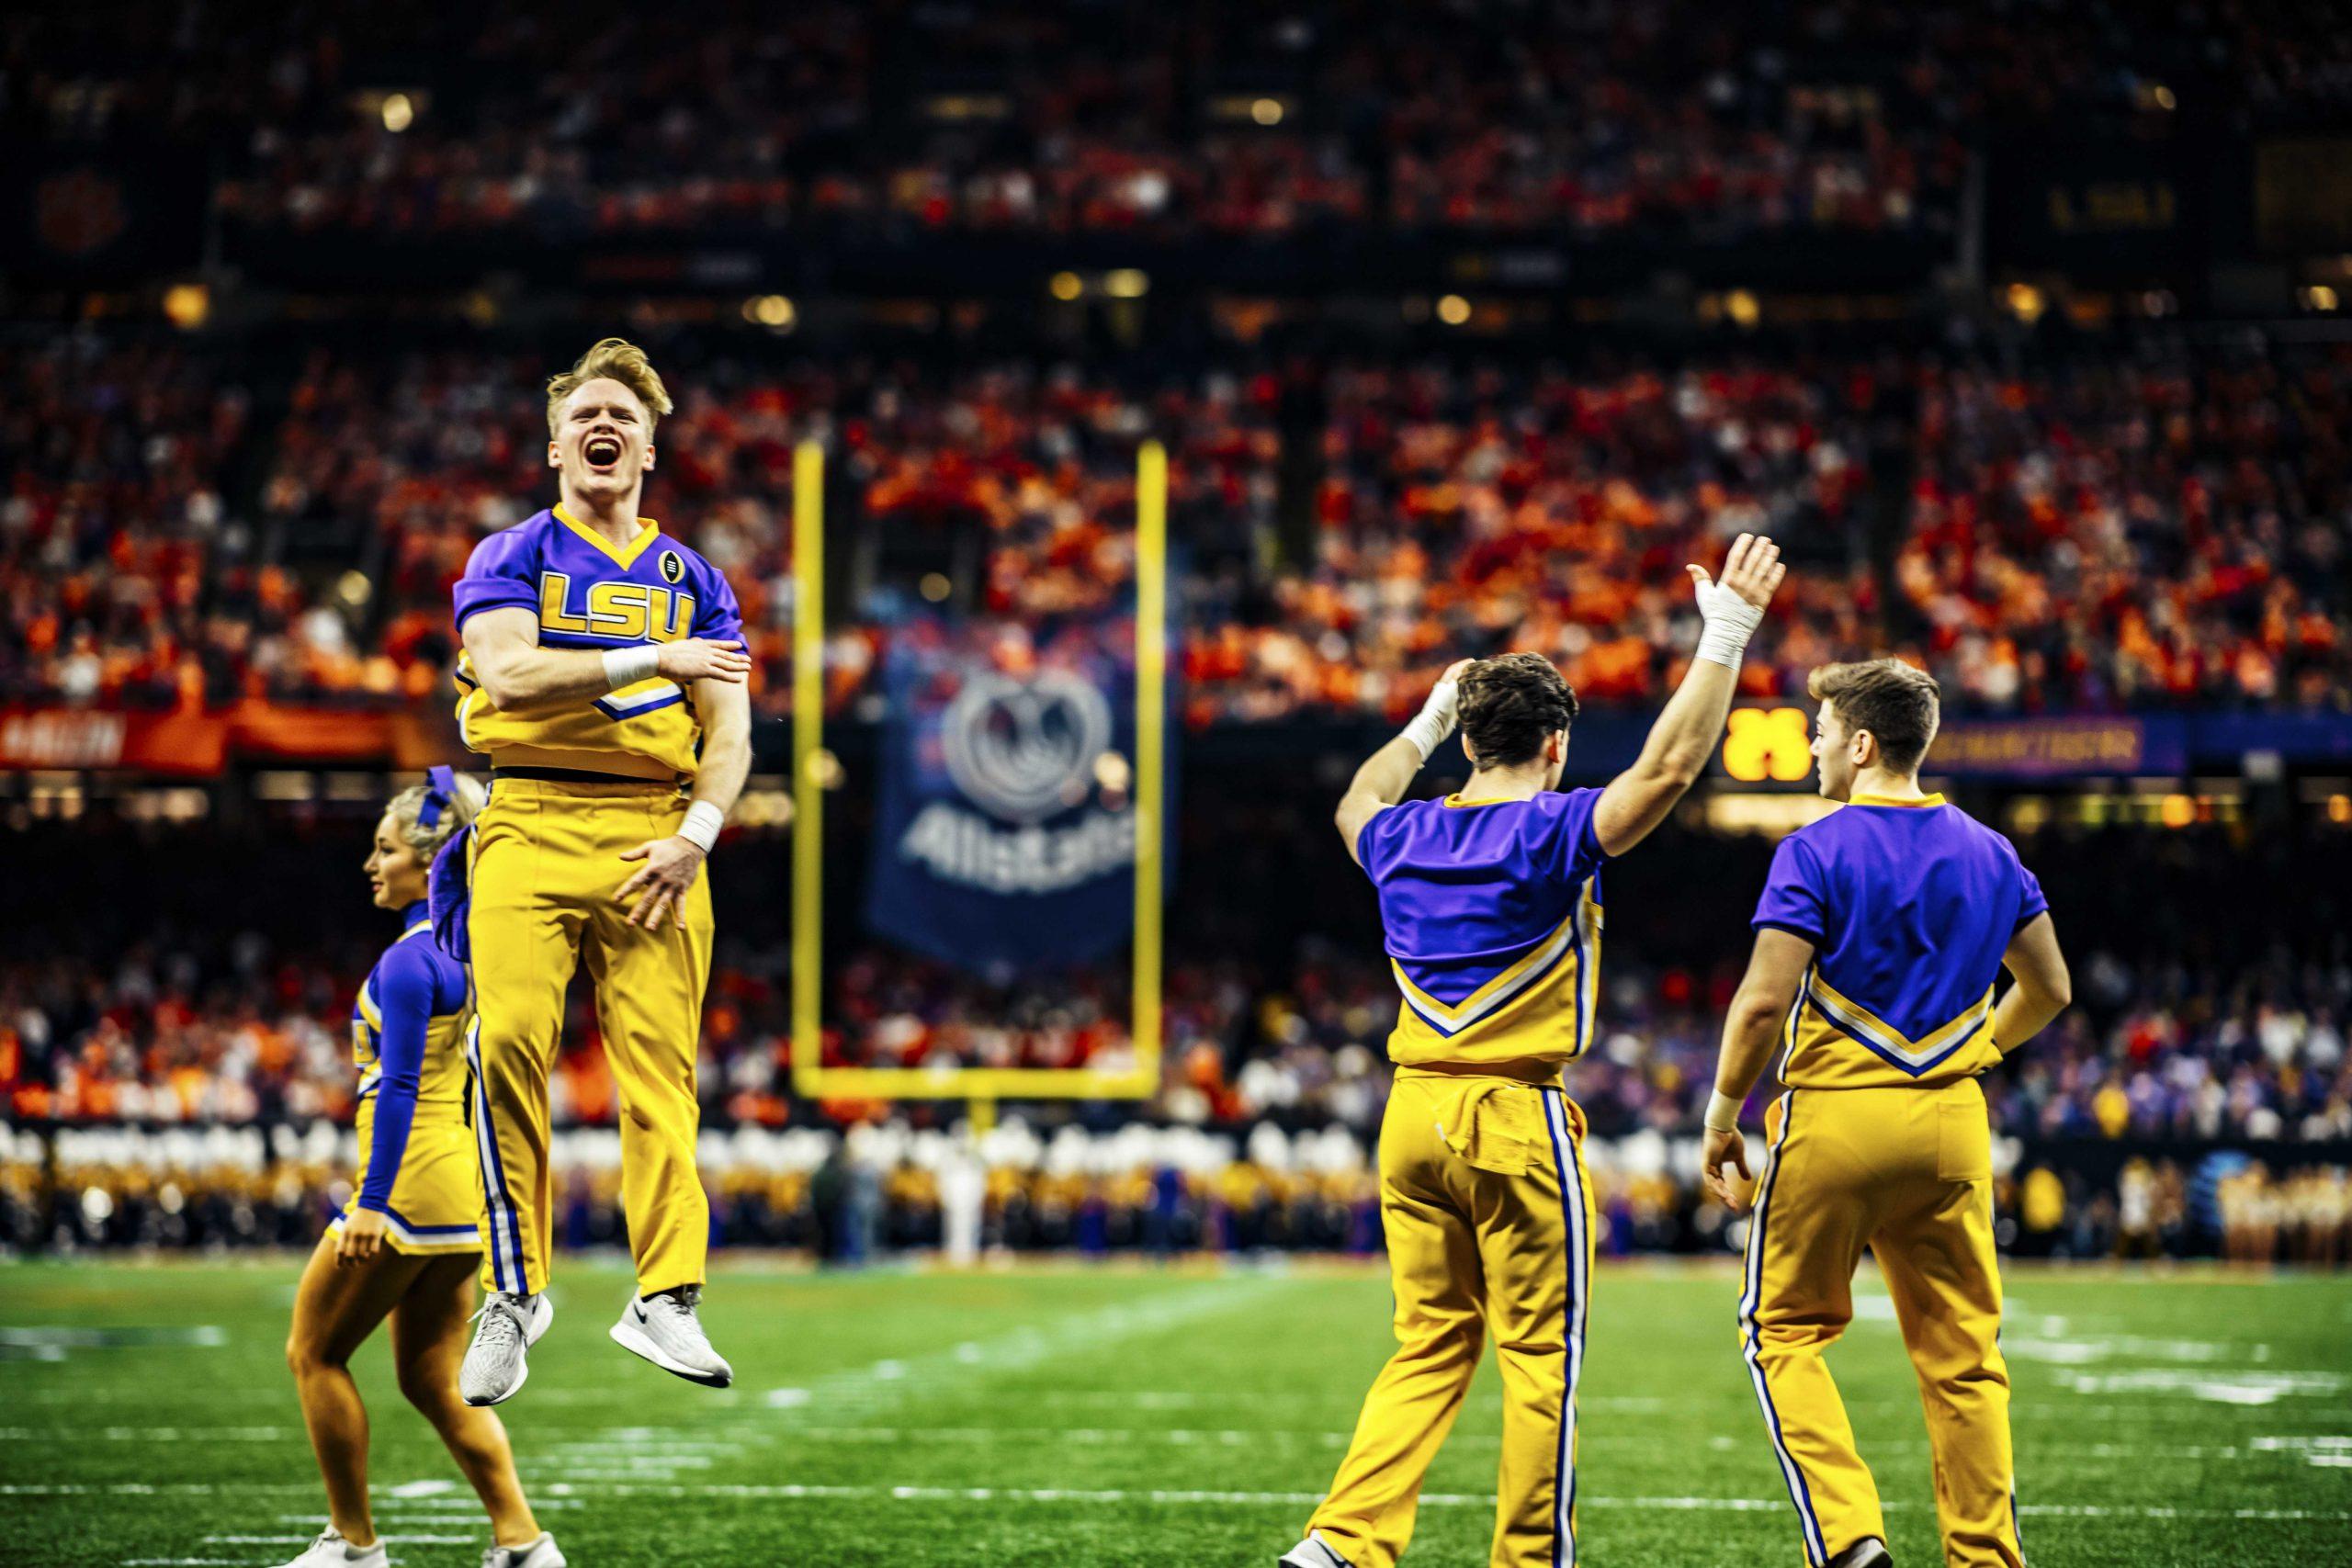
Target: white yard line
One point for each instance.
(150, 1434)
(401, 1539)
(895, 1381)
(1120, 1496)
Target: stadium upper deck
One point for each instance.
(443, 134)
(2130, 523)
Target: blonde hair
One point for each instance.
(465, 798)
(617, 359)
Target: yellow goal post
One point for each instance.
(812, 768)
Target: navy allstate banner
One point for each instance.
(1005, 839)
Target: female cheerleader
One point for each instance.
(406, 1245)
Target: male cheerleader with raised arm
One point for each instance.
(1491, 903)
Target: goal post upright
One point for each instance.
(1151, 758)
(983, 1085)
(807, 747)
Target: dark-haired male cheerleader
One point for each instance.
(1491, 902)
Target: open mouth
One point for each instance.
(601, 452)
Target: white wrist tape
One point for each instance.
(1435, 721)
(1728, 621)
(1723, 1114)
(702, 825)
(627, 666)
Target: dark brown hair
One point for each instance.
(1897, 702)
(1510, 702)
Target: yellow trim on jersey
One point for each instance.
(367, 1007)
(626, 555)
(1558, 941)
(1856, 1018)
(1455, 802)
(1924, 801)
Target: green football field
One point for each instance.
(1062, 1415)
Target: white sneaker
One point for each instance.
(507, 1325)
(331, 1550)
(1311, 1554)
(665, 1331)
(540, 1554)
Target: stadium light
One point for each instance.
(1067, 286)
(771, 310)
(1267, 111)
(187, 305)
(1453, 310)
(399, 111)
(1127, 283)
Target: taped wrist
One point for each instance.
(1429, 727)
(627, 666)
(702, 825)
(1726, 622)
(1722, 1113)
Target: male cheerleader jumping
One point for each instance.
(605, 675)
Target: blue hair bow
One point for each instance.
(449, 896)
(440, 789)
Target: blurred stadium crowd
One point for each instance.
(2192, 1031)
(878, 1188)
(2146, 523)
(1660, 117)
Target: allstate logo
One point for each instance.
(1025, 751)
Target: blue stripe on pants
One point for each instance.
(493, 1180)
(1575, 1222)
(1750, 1341)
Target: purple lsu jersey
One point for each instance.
(1492, 913)
(588, 592)
(1909, 908)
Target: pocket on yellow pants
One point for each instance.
(1493, 1126)
(1963, 1143)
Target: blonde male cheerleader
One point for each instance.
(406, 1245)
(1491, 903)
(1880, 936)
(603, 673)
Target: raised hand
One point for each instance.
(1752, 572)
(701, 659)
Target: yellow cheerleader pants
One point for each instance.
(1488, 1217)
(1907, 1173)
(546, 866)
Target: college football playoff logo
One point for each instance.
(1025, 750)
(672, 569)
